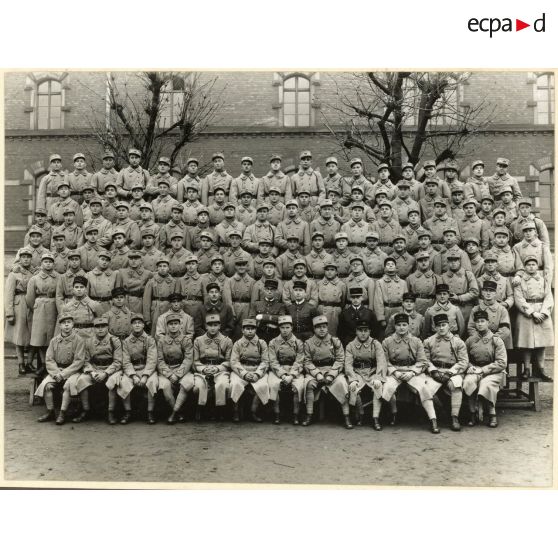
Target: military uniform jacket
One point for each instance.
(423, 284)
(226, 313)
(329, 228)
(65, 287)
(231, 256)
(332, 292)
(109, 210)
(252, 353)
(310, 181)
(348, 319)
(256, 232)
(437, 225)
(363, 358)
(302, 315)
(100, 178)
(296, 226)
(246, 215)
(185, 183)
(162, 208)
(440, 260)
(133, 280)
(279, 180)
(511, 211)
(509, 261)
(241, 288)
(56, 211)
(186, 324)
(244, 183)
(83, 310)
(204, 259)
(175, 355)
(542, 231)
(463, 284)
(540, 251)
(157, 289)
(498, 319)
(150, 258)
(402, 207)
(216, 213)
(104, 237)
(366, 283)
(190, 287)
(133, 235)
(223, 229)
(496, 183)
(479, 187)
(356, 231)
(48, 188)
(223, 281)
(270, 311)
(387, 230)
(416, 324)
(212, 351)
(504, 291)
(72, 233)
(366, 185)
(404, 262)
(404, 352)
(286, 352)
(285, 264)
(443, 190)
(343, 261)
(128, 177)
(333, 181)
(89, 255)
(323, 353)
(152, 188)
(104, 353)
(473, 227)
(388, 294)
(487, 352)
(446, 352)
(311, 291)
(455, 316)
(77, 180)
(139, 354)
(177, 259)
(373, 262)
(119, 258)
(65, 355)
(212, 181)
(190, 211)
(60, 260)
(426, 204)
(119, 321)
(168, 229)
(47, 232)
(477, 264)
(316, 262)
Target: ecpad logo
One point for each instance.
(495, 24)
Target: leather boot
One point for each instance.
(376, 424)
(277, 419)
(493, 421)
(455, 426)
(22, 370)
(172, 418)
(473, 419)
(308, 420)
(30, 368)
(540, 374)
(61, 418)
(434, 426)
(393, 420)
(256, 418)
(126, 418)
(236, 415)
(151, 417)
(111, 419)
(358, 419)
(348, 424)
(82, 417)
(295, 420)
(49, 415)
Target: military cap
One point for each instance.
(146, 205)
(450, 165)
(456, 188)
(108, 154)
(191, 258)
(213, 285)
(330, 263)
(441, 201)
(498, 210)
(105, 254)
(165, 160)
(234, 232)
(135, 254)
(172, 317)
(471, 239)
(480, 315)
(88, 187)
(62, 185)
(58, 233)
(247, 160)
(400, 236)
(69, 210)
(408, 165)
(383, 166)
(357, 204)
(384, 202)
(25, 251)
(524, 201)
(265, 241)
(80, 280)
(271, 284)
(316, 234)
(389, 259)
(372, 234)
(41, 211)
(431, 181)
(248, 193)
(249, 322)
(36, 230)
(177, 233)
(65, 316)
(303, 190)
(299, 284)
(381, 190)
(163, 181)
(218, 155)
(469, 201)
(305, 153)
(118, 231)
(213, 319)
(162, 259)
(487, 197)
(136, 317)
(148, 232)
(356, 291)
(192, 160)
(282, 320)
(362, 324)
(262, 207)
(429, 163)
(413, 210)
(331, 160)
(422, 256)
(202, 209)
(450, 228)
(490, 256)
(530, 258)
(440, 319)
(226, 205)
(335, 189)
(91, 228)
(424, 232)
(110, 185)
(401, 318)
(54, 157)
(502, 230)
(241, 261)
(408, 296)
(206, 234)
(118, 291)
(217, 258)
(134, 151)
(489, 286)
(319, 320)
(275, 157)
(175, 297)
(503, 161)
(403, 184)
(300, 261)
(137, 186)
(528, 225)
(355, 161)
(453, 254)
(275, 189)
(74, 254)
(79, 156)
(47, 256)
(291, 202)
(357, 187)
(326, 203)
(476, 163)
(442, 288)
(122, 203)
(341, 236)
(506, 189)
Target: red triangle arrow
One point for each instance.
(519, 25)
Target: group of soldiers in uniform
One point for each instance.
(205, 289)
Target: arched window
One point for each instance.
(544, 97)
(172, 101)
(296, 101)
(48, 105)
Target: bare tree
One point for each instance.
(394, 117)
(159, 113)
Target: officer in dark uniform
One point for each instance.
(267, 311)
(302, 312)
(353, 314)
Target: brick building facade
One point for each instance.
(263, 113)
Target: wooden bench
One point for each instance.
(517, 396)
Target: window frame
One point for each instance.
(37, 106)
(549, 101)
(174, 95)
(297, 103)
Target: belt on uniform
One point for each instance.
(392, 304)
(173, 361)
(404, 362)
(159, 298)
(82, 326)
(212, 361)
(135, 293)
(364, 363)
(333, 304)
(193, 297)
(442, 365)
(507, 273)
(241, 299)
(534, 300)
(43, 296)
(138, 361)
(359, 244)
(250, 361)
(20, 292)
(101, 298)
(324, 362)
(426, 296)
(478, 363)
(286, 361)
(101, 361)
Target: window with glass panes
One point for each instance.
(544, 97)
(296, 101)
(49, 105)
(172, 100)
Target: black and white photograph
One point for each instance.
(291, 277)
